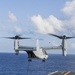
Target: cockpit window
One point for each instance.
(44, 52)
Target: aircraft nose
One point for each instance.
(46, 56)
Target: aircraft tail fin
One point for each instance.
(37, 45)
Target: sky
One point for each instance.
(35, 19)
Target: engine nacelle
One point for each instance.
(64, 47)
(16, 46)
(64, 52)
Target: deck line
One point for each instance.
(53, 72)
(67, 73)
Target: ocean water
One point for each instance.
(11, 64)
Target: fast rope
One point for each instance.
(28, 68)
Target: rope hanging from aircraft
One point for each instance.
(28, 67)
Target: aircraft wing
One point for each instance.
(52, 48)
(26, 48)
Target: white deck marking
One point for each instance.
(53, 72)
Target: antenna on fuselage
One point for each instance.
(64, 42)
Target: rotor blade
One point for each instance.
(62, 37)
(16, 38)
(69, 37)
(56, 36)
(23, 38)
(9, 37)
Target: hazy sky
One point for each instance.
(36, 18)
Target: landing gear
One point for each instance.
(43, 60)
(29, 60)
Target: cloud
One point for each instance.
(73, 45)
(4, 28)
(54, 25)
(17, 29)
(12, 17)
(47, 25)
(69, 8)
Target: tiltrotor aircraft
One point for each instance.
(38, 52)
